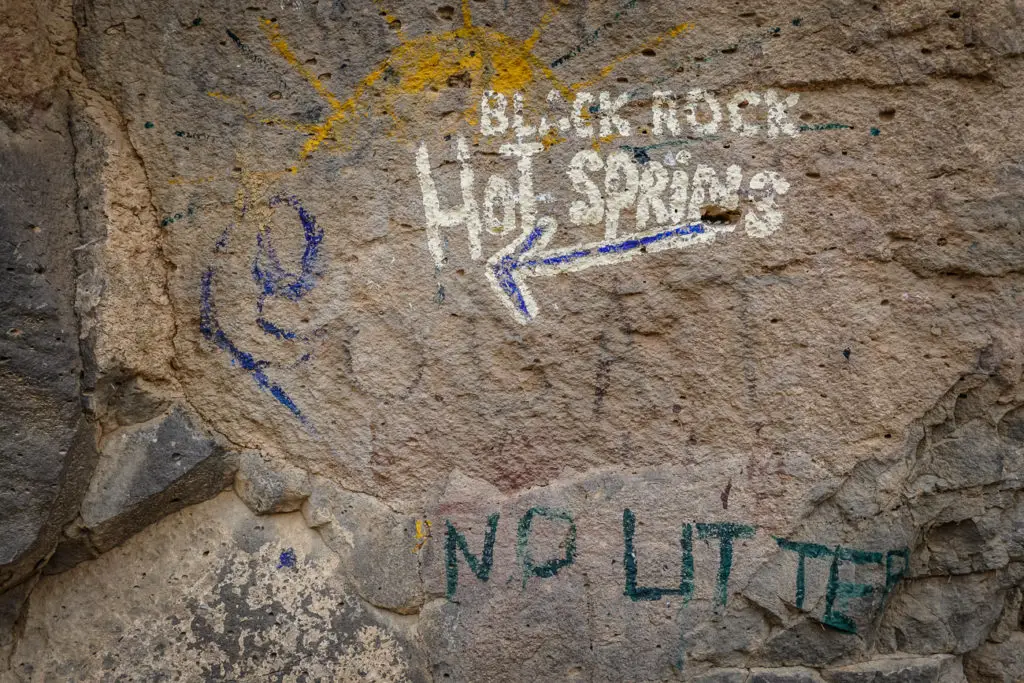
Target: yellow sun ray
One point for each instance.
(492, 60)
(545, 19)
(650, 45)
(277, 41)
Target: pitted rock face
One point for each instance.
(723, 262)
(613, 341)
(243, 606)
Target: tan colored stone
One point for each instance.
(555, 445)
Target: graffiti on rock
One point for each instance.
(273, 280)
(839, 593)
(625, 201)
(689, 206)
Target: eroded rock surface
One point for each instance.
(214, 591)
(559, 341)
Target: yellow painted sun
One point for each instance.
(486, 59)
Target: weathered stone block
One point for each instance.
(270, 487)
(376, 546)
(936, 669)
(971, 456)
(46, 442)
(145, 472)
(944, 614)
(214, 593)
(784, 675)
(811, 644)
(997, 662)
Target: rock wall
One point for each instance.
(554, 341)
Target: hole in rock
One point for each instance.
(460, 80)
(712, 213)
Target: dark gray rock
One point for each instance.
(12, 605)
(959, 548)
(997, 662)
(723, 676)
(1012, 619)
(810, 644)
(46, 443)
(140, 462)
(1011, 426)
(936, 669)
(145, 472)
(786, 675)
(130, 401)
(944, 614)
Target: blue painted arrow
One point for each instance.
(507, 269)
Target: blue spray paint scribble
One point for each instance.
(287, 559)
(273, 330)
(274, 280)
(506, 266)
(272, 277)
(211, 329)
(222, 241)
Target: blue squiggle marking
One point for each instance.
(272, 277)
(287, 559)
(272, 329)
(222, 241)
(211, 329)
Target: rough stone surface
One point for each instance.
(142, 461)
(997, 662)
(938, 669)
(41, 408)
(46, 442)
(267, 490)
(618, 340)
(145, 472)
(215, 590)
(787, 675)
